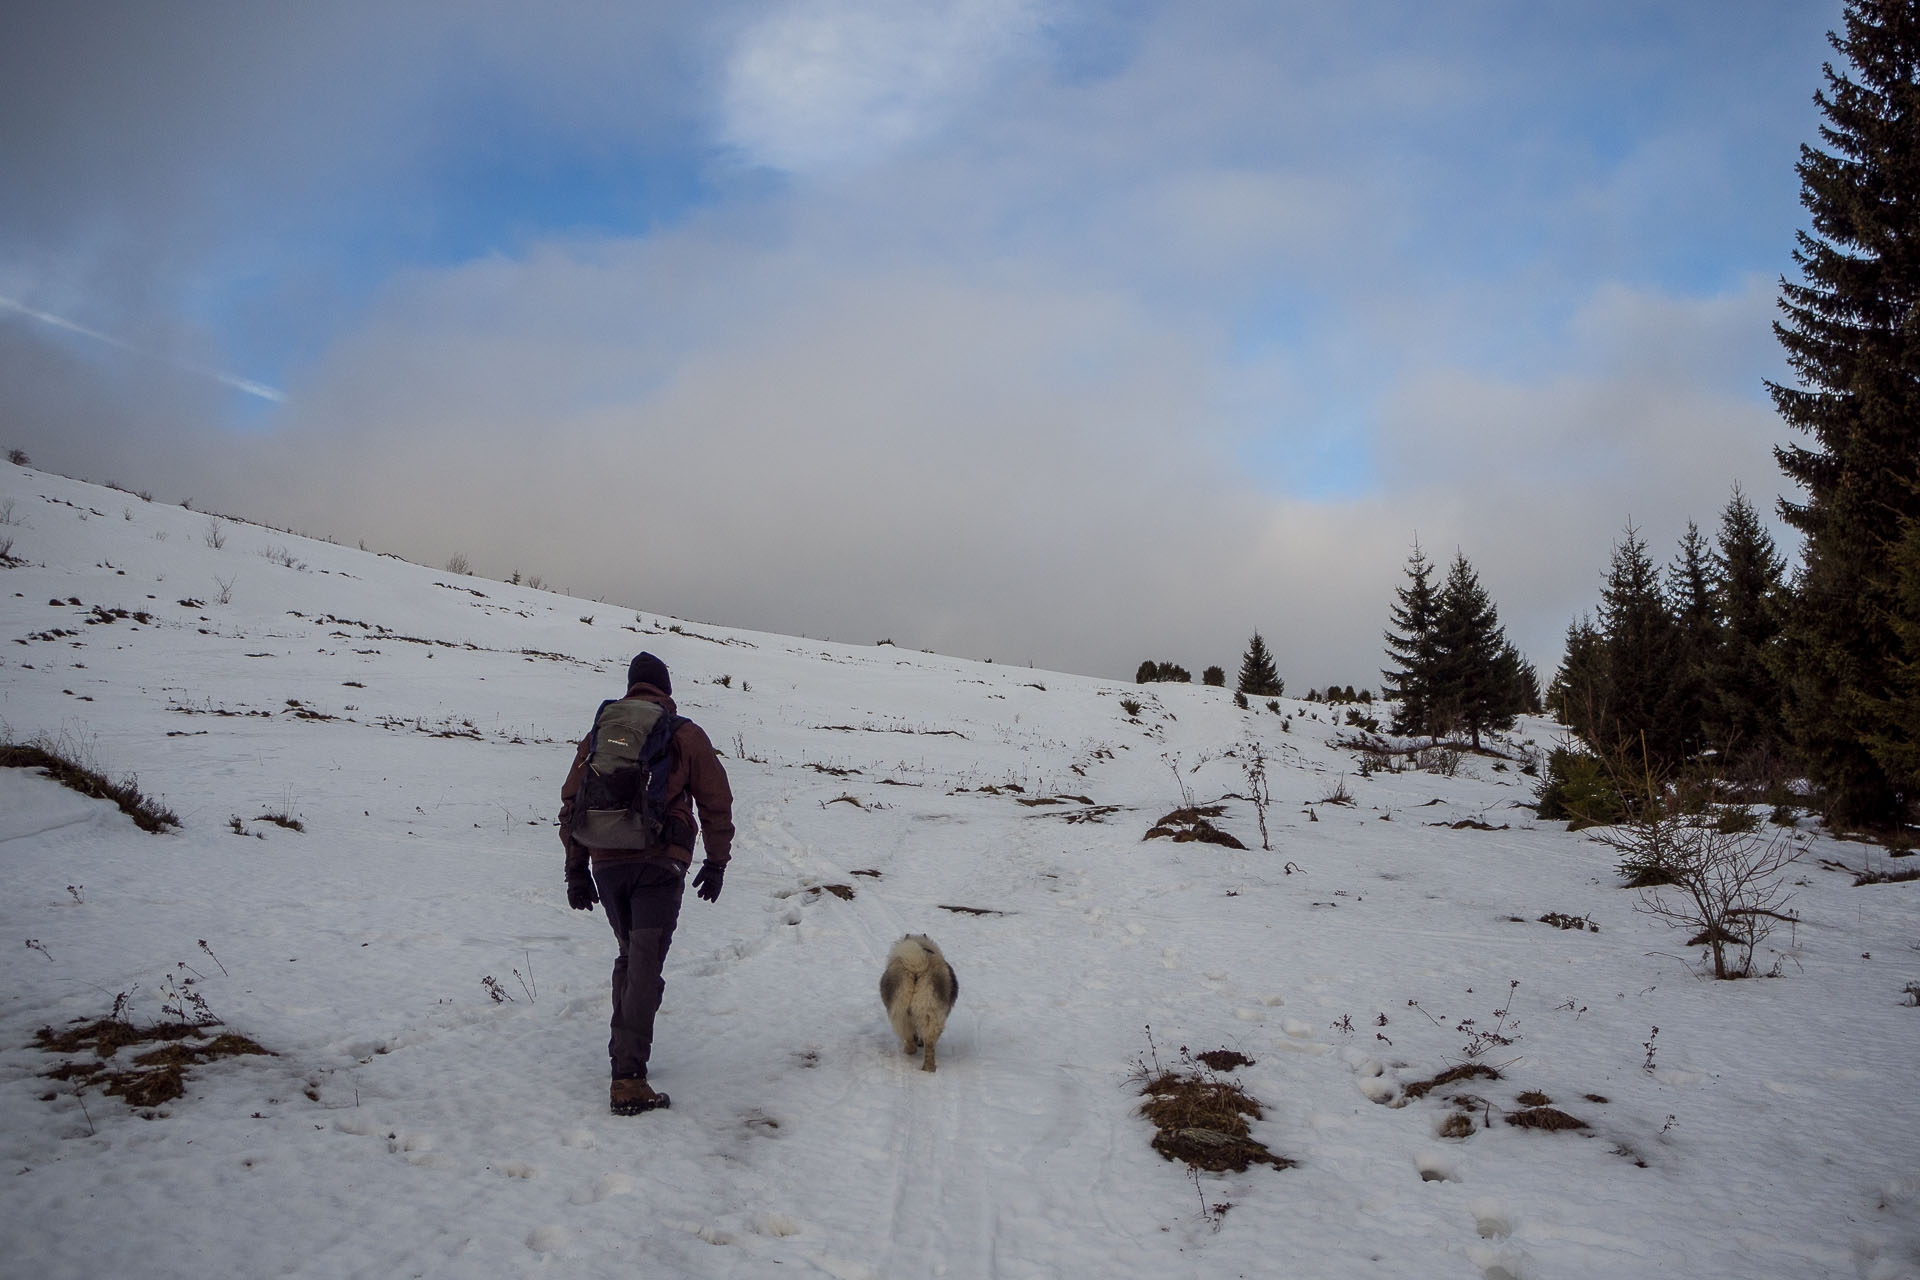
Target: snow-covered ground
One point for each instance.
(418, 724)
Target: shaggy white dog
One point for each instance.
(918, 989)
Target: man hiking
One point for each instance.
(627, 821)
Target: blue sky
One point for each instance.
(1060, 332)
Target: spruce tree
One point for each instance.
(1259, 678)
(1473, 684)
(1850, 334)
(1410, 644)
(1696, 641)
(1577, 695)
(1638, 655)
(1744, 713)
(1524, 681)
(1891, 718)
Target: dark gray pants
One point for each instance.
(642, 901)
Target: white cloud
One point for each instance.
(983, 373)
(827, 84)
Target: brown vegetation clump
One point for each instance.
(108, 1035)
(147, 813)
(1194, 822)
(1223, 1059)
(157, 1076)
(1465, 1071)
(147, 1088)
(1203, 1122)
(1545, 1118)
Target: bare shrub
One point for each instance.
(18, 457)
(216, 535)
(7, 517)
(1724, 882)
(224, 594)
(457, 563)
(1253, 763)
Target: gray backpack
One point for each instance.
(622, 799)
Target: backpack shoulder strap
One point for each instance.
(593, 730)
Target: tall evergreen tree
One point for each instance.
(1891, 717)
(1639, 653)
(1259, 678)
(1410, 645)
(1578, 692)
(1744, 714)
(1524, 678)
(1851, 336)
(1473, 686)
(1696, 641)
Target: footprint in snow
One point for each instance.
(417, 1148)
(1489, 1218)
(604, 1187)
(548, 1239)
(1435, 1168)
(1503, 1263)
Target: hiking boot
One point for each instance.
(631, 1097)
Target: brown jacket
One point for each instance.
(695, 776)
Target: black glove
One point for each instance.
(580, 894)
(708, 879)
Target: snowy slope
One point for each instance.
(419, 724)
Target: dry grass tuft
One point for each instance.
(1545, 1118)
(1465, 1071)
(1203, 1122)
(184, 1054)
(157, 1076)
(1223, 1059)
(147, 1088)
(1192, 823)
(108, 1035)
(147, 813)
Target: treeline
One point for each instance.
(1686, 665)
(1259, 678)
(1455, 673)
(1726, 666)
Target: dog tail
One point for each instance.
(914, 954)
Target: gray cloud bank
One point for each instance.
(985, 376)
